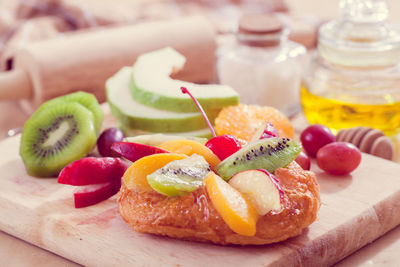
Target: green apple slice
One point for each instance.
(152, 85)
(138, 116)
(156, 139)
(203, 133)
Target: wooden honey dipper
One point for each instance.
(368, 140)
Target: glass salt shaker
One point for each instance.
(261, 64)
(354, 78)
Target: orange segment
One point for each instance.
(190, 147)
(136, 175)
(234, 209)
(243, 121)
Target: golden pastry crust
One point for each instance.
(193, 217)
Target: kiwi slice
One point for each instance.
(269, 153)
(179, 177)
(56, 136)
(86, 99)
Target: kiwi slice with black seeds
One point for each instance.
(180, 177)
(268, 153)
(56, 136)
(86, 99)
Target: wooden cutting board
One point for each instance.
(355, 210)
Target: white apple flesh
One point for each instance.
(266, 130)
(261, 188)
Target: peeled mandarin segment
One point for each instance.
(243, 121)
(237, 212)
(136, 175)
(190, 147)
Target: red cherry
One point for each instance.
(339, 158)
(224, 145)
(304, 161)
(314, 137)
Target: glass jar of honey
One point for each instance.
(354, 77)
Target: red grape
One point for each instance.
(106, 139)
(303, 160)
(224, 145)
(314, 137)
(339, 158)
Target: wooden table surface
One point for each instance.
(15, 252)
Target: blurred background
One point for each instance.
(24, 22)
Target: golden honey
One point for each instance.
(338, 114)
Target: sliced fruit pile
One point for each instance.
(146, 100)
(238, 180)
(246, 191)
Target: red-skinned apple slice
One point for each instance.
(261, 188)
(93, 194)
(134, 151)
(267, 130)
(92, 170)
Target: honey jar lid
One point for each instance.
(361, 37)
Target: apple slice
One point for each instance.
(261, 188)
(92, 170)
(202, 134)
(267, 130)
(238, 213)
(135, 115)
(93, 194)
(158, 138)
(152, 85)
(135, 151)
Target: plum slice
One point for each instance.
(135, 151)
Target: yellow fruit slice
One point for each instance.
(190, 147)
(136, 175)
(243, 121)
(238, 213)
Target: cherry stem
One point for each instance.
(186, 91)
